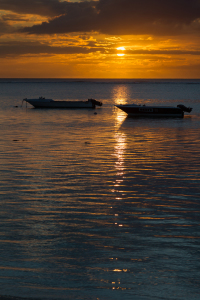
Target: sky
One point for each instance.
(100, 39)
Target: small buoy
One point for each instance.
(16, 105)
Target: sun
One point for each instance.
(121, 49)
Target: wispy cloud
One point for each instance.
(15, 48)
(5, 27)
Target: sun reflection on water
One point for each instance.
(121, 94)
(119, 153)
(120, 148)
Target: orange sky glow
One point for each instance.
(99, 39)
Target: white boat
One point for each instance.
(154, 111)
(41, 102)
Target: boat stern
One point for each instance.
(95, 102)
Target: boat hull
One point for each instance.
(152, 111)
(49, 103)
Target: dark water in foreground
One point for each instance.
(99, 206)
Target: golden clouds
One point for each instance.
(91, 39)
(95, 56)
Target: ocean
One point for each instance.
(95, 205)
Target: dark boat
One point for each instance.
(41, 102)
(154, 111)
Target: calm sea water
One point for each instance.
(99, 206)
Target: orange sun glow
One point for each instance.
(122, 49)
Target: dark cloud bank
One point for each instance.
(124, 17)
(116, 17)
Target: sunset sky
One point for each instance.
(100, 39)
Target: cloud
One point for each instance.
(77, 17)
(13, 17)
(16, 48)
(5, 27)
(118, 17)
(49, 8)
(6, 22)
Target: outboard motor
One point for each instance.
(95, 102)
(184, 108)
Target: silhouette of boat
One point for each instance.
(41, 102)
(154, 111)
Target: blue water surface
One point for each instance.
(99, 206)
